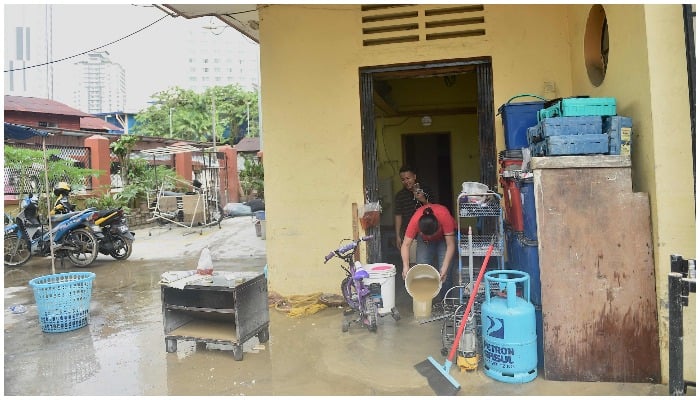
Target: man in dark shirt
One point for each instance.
(407, 200)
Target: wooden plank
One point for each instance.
(597, 277)
(591, 161)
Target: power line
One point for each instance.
(88, 51)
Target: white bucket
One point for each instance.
(423, 284)
(383, 274)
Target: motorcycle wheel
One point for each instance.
(17, 250)
(122, 249)
(87, 244)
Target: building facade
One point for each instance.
(27, 45)
(100, 84)
(219, 56)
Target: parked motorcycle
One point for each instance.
(75, 236)
(118, 240)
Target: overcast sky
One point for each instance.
(149, 56)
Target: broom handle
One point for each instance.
(472, 297)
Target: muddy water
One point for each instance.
(122, 350)
(423, 289)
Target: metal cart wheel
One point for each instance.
(171, 345)
(237, 352)
(264, 335)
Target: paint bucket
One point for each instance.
(423, 284)
(384, 274)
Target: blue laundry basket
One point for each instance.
(63, 300)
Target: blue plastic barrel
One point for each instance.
(530, 262)
(509, 330)
(517, 117)
(513, 248)
(527, 194)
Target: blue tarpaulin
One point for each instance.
(21, 132)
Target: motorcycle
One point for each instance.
(75, 236)
(118, 240)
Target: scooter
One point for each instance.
(364, 301)
(75, 236)
(118, 240)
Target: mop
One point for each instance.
(438, 375)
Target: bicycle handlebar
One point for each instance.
(350, 246)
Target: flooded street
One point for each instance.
(122, 350)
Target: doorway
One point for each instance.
(430, 155)
(471, 113)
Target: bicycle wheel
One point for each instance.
(371, 313)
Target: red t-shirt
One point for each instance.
(446, 223)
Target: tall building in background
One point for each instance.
(216, 59)
(28, 43)
(100, 84)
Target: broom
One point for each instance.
(438, 375)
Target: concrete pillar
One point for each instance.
(183, 165)
(230, 174)
(100, 160)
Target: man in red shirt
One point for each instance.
(434, 228)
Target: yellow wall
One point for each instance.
(310, 56)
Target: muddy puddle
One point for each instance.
(122, 351)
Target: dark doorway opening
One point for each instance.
(429, 154)
(376, 97)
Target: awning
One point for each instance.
(172, 149)
(21, 132)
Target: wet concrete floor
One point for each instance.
(122, 350)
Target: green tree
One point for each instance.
(190, 114)
(122, 149)
(28, 164)
(252, 178)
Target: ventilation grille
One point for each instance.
(392, 23)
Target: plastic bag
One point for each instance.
(205, 266)
(237, 209)
(369, 215)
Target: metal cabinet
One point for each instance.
(227, 311)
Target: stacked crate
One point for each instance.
(579, 126)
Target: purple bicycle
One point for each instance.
(364, 301)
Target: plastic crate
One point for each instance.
(559, 126)
(537, 149)
(579, 106)
(619, 131)
(63, 300)
(576, 145)
(516, 118)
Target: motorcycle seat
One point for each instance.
(62, 217)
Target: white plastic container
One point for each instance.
(383, 274)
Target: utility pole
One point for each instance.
(247, 115)
(171, 122)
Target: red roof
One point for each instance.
(248, 144)
(39, 105)
(94, 123)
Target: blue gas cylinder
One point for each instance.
(508, 327)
